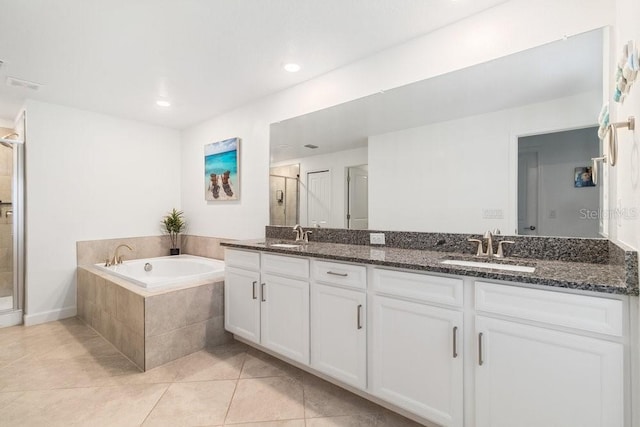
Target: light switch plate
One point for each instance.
(376, 238)
(493, 213)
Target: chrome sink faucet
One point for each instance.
(488, 236)
(301, 235)
(481, 252)
(117, 259)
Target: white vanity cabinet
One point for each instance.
(451, 351)
(536, 375)
(241, 294)
(267, 301)
(285, 306)
(416, 353)
(338, 321)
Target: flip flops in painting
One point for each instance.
(226, 185)
(214, 187)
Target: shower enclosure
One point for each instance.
(284, 191)
(11, 224)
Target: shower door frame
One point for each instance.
(15, 316)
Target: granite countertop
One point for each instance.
(605, 278)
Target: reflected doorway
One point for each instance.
(319, 198)
(528, 191)
(551, 202)
(358, 197)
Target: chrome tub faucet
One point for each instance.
(116, 259)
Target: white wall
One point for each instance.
(625, 176)
(89, 176)
(6, 123)
(505, 29)
(336, 163)
(441, 177)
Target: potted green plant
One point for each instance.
(173, 224)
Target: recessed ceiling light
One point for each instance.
(313, 147)
(163, 103)
(291, 67)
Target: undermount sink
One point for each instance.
(284, 245)
(490, 265)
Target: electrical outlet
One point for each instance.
(376, 238)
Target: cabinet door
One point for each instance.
(531, 376)
(242, 303)
(416, 358)
(338, 334)
(285, 317)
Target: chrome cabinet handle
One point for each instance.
(480, 361)
(263, 299)
(333, 273)
(359, 316)
(455, 342)
(255, 296)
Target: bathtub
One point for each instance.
(166, 272)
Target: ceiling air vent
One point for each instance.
(313, 147)
(12, 81)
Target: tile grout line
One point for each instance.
(14, 361)
(226, 414)
(98, 334)
(8, 404)
(156, 404)
(304, 401)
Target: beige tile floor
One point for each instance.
(64, 374)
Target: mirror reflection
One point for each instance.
(504, 144)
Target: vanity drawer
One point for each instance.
(335, 273)
(587, 313)
(420, 287)
(285, 266)
(242, 259)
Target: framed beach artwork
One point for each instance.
(222, 170)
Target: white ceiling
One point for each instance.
(205, 56)
(552, 71)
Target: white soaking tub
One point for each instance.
(167, 272)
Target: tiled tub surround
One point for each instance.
(151, 329)
(609, 275)
(94, 251)
(203, 246)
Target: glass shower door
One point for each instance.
(6, 227)
(11, 226)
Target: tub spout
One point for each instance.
(118, 259)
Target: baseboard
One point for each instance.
(11, 318)
(49, 316)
